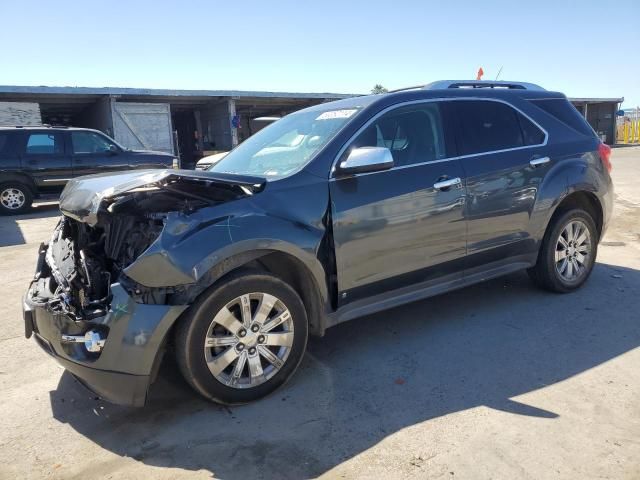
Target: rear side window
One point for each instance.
(44, 144)
(531, 134)
(487, 126)
(89, 142)
(563, 111)
(414, 134)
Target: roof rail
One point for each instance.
(415, 87)
(445, 84)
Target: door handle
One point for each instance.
(444, 184)
(536, 162)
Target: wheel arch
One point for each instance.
(284, 265)
(542, 272)
(307, 280)
(294, 272)
(583, 199)
(19, 177)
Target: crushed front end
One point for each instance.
(81, 306)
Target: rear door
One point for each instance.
(395, 228)
(94, 153)
(44, 156)
(503, 156)
(9, 158)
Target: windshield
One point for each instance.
(285, 146)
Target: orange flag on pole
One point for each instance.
(480, 73)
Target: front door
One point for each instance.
(94, 153)
(43, 155)
(399, 227)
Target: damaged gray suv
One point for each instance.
(331, 213)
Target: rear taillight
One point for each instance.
(605, 155)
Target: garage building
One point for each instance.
(188, 123)
(601, 114)
(193, 123)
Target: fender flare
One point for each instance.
(236, 255)
(19, 177)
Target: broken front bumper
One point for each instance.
(133, 335)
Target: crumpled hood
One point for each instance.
(82, 196)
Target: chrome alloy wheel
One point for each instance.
(573, 251)
(12, 198)
(249, 340)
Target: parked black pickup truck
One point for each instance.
(39, 160)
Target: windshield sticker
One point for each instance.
(336, 114)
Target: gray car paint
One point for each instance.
(384, 256)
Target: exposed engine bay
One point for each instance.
(83, 259)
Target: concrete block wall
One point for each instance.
(20, 113)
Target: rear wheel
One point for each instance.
(243, 339)
(568, 252)
(15, 198)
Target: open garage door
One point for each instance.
(143, 126)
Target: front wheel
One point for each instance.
(568, 252)
(15, 198)
(243, 339)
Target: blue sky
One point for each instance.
(582, 48)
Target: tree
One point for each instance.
(378, 89)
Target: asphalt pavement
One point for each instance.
(499, 380)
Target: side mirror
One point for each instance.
(365, 160)
(113, 150)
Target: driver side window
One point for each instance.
(414, 134)
(89, 142)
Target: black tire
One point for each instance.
(544, 273)
(9, 191)
(193, 329)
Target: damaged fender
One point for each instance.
(195, 250)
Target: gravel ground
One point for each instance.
(499, 380)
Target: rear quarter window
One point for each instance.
(562, 110)
(489, 126)
(532, 135)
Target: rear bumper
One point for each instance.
(607, 201)
(122, 372)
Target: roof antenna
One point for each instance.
(499, 72)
